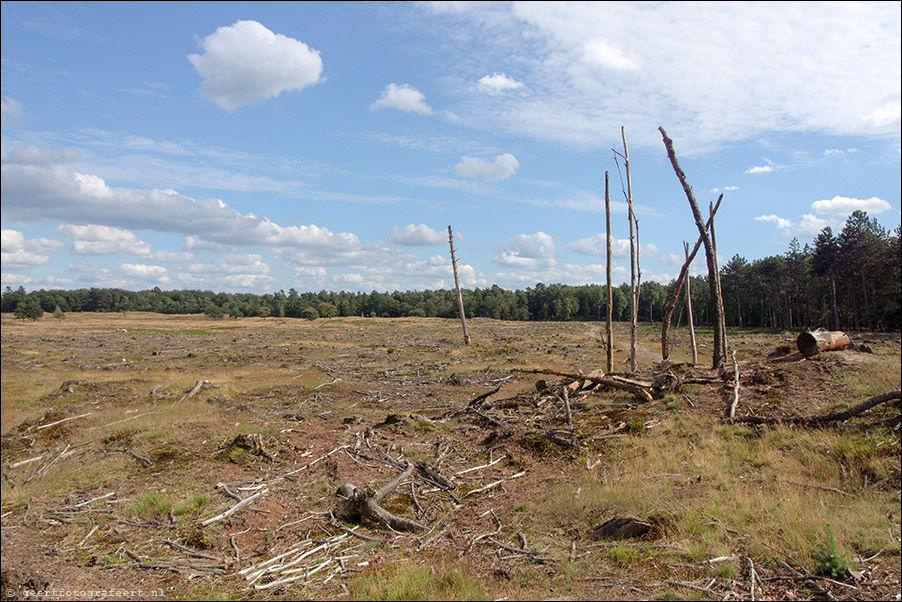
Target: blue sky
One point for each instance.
(255, 146)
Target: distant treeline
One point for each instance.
(845, 282)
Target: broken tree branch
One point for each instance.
(822, 418)
(199, 386)
(735, 388)
(234, 508)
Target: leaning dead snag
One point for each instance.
(460, 299)
(822, 418)
(671, 303)
(717, 308)
(356, 503)
(719, 297)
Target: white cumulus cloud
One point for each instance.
(498, 83)
(841, 205)
(782, 222)
(503, 167)
(402, 98)
(620, 247)
(154, 273)
(96, 239)
(245, 63)
(527, 251)
(416, 236)
(811, 226)
(17, 253)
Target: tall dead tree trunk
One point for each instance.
(689, 307)
(460, 299)
(675, 294)
(607, 213)
(716, 308)
(634, 286)
(719, 297)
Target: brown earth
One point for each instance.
(98, 414)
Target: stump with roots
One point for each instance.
(355, 504)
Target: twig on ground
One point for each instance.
(234, 508)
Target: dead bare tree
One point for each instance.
(460, 299)
(607, 212)
(634, 267)
(719, 298)
(716, 307)
(689, 308)
(674, 295)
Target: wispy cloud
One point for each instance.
(10, 111)
(586, 62)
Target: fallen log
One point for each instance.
(634, 387)
(812, 343)
(822, 418)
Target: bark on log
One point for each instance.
(812, 343)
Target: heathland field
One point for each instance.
(177, 457)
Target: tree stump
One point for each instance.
(355, 503)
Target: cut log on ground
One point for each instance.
(812, 343)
